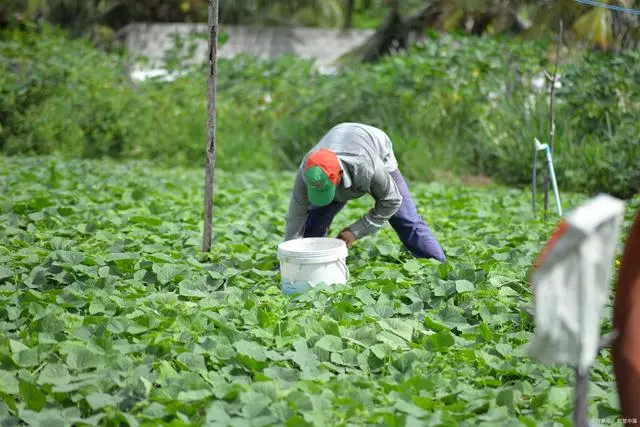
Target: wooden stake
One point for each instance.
(211, 125)
(552, 117)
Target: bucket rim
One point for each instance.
(338, 251)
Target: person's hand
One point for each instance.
(347, 236)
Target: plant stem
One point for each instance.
(348, 14)
(552, 117)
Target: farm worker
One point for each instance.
(351, 160)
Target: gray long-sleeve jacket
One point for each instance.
(367, 158)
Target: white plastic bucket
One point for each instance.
(305, 263)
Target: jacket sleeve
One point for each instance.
(387, 202)
(298, 209)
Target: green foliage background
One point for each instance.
(100, 20)
(454, 103)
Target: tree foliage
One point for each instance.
(398, 20)
(599, 27)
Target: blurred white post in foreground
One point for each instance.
(571, 285)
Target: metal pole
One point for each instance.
(553, 180)
(550, 171)
(581, 408)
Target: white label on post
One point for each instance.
(571, 283)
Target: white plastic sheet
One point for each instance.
(571, 283)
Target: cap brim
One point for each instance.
(321, 198)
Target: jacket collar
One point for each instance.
(346, 178)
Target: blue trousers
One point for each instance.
(411, 229)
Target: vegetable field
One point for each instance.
(111, 315)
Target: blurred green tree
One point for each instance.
(598, 27)
(400, 21)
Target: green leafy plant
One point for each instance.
(458, 104)
(110, 314)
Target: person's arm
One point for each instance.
(298, 209)
(388, 200)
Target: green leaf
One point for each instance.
(193, 289)
(161, 257)
(69, 257)
(404, 361)
(251, 349)
(54, 373)
(224, 352)
(155, 410)
(104, 271)
(440, 341)
(464, 286)
(37, 278)
(379, 311)
(5, 273)
(194, 395)
(283, 374)
(508, 292)
(560, 396)
(379, 350)
(193, 362)
(254, 404)
(101, 400)
(149, 220)
(410, 408)
(499, 281)
(364, 295)
(391, 339)
(44, 418)
(23, 355)
(452, 316)
(122, 256)
(96, 306)
(8, 383)
(433, 325)
(412, 266)
(216, 413)
(166, 272)
(509, 398)
(94, 420)
(527, 421)
(83, 358)
(504, 349)
(131, 420)
(330, 343)
(302, 356)
(501, 257)
(401, 328)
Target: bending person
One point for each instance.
(352, 160)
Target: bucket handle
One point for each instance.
(346, 269)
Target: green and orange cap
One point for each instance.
(322, 174)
